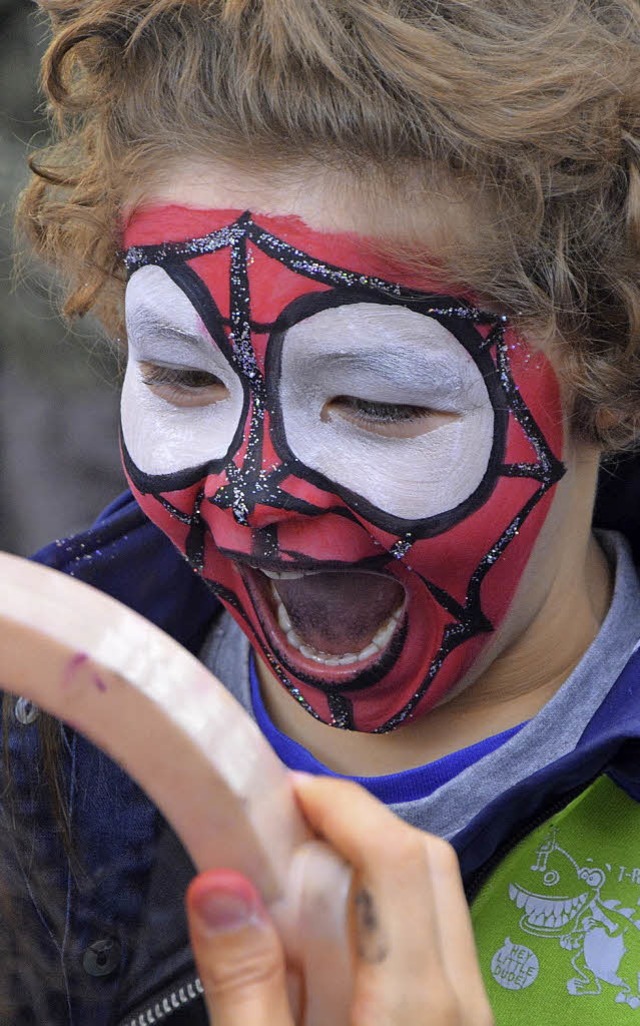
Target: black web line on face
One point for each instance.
(245, 479)
(248, 483)
(195, 543)
(548, 469)
(470, 619)
(194, 555)
(250, 479)
(169, 252)
(245, 229)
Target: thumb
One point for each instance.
(237, 951)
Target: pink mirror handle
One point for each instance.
(157, 711)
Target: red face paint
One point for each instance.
(396, 576)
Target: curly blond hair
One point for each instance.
(531, 107)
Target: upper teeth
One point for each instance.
(378, 643)
(284, 575)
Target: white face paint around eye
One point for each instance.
(384, 358)
(164, 329)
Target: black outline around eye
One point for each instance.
(426, 527)
(203, 302)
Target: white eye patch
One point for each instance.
(393, 356)
(164, 328)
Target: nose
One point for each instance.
(258, 499)
(252, 530)
(282, 513)
(227, 533)
(250, 504)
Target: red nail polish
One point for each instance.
(224, 900)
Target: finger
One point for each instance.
(400, 975)
(323, 884)
(457, 940)
(427, 903)
(237, 951)
(382, 850)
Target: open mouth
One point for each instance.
(337, 622)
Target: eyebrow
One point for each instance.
(400, 362)
(145, 325)
(376, 368)
(379, 359)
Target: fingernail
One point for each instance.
(225, 902)
(220, 910)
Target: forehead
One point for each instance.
(172, 222)
(408, 213)
(267, 262)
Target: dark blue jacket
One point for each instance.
(119, 929)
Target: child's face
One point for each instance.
(358, 462)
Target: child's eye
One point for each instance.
(393, 420)
(183, 386)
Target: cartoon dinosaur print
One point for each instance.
(567, 904)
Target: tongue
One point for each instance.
(338, 613)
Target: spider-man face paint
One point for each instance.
(356, 464)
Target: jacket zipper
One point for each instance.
(480, 877)
(168, 1003)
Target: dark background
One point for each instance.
(58, 387)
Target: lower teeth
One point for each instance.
(376, 646)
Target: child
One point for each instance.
(382, 324)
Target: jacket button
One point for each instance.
(102, 957)
(25, 712)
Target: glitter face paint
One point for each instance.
(357, 464)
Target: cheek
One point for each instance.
(164, 439)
